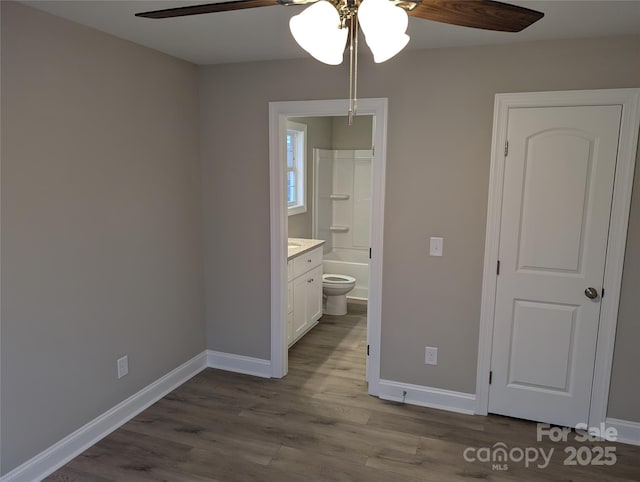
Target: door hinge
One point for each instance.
(506, 148)
(490, 377)
(373, 150)
(602, 295)
(498, 268)
(367, 350)
(369, 253)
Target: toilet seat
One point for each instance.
(337, 279)
(335, 288)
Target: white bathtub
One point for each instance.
(350, 262)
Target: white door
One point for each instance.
(558, 185)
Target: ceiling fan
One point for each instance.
(327, 26)
(485, 14)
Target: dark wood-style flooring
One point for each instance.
(319, 424)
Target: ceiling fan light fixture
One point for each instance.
(384, 25)
(317, 30)
(386, 48)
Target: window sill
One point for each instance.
(292, 211)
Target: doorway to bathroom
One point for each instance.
(338, 196)
(350, 159)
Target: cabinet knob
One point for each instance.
(310, 280)
(309, 261)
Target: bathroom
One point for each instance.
(336, 193)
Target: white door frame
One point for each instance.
(629, 99)
(278, 113)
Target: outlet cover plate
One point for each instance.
(430, 355)
(123, 366)
(436, 246)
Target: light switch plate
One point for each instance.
(435, 246)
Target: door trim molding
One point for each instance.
(629, 99)
(278, 113)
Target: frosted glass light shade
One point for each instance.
(317, 30)
(385, 48)
(384, 25)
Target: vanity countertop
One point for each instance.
(298, 246)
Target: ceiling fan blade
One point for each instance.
(485, 14)
(209, 8)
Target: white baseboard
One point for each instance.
(239, 364)
(628, 432)
(428, 397)
(51, 459)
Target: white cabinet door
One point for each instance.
(305, 293)
(307, 301)
(299, 306)
(313, 300)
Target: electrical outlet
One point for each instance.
(430, 355)
(123, 366)
(435, 246)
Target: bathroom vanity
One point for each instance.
(304, 274)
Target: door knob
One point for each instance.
(591, 293)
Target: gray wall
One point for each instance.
(355, 136)
(101, 224)
(624, 395)
(102, 214)
(439, 142)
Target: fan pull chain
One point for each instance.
(353, 68)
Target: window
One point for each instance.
(296, 161)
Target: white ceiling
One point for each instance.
(263, 33)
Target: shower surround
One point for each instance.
(342, 213)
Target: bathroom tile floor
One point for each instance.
(319, 424)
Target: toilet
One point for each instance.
(335, 288)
